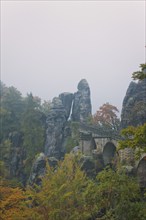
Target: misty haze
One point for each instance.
(48, 47)
(73, 110)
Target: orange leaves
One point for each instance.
(107, 116)
(10, 199)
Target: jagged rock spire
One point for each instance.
(82, 103)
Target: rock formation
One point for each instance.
(134, 105)
(82, 104)
(38, 169)
(67, 99)
(56, 122)
(57, 128)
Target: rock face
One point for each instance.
(38, 169)
(134, 105)
(61, 108)
(66, 99)
(59, 128)
(56, 122)
(82, 104)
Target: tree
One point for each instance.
(45, 107)
(134, 137)
(65, 193)
(106, 117)
(11, 110)
(33, 128)
(140, 75)
(11, 199)
(118, 197)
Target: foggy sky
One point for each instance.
(48, 47)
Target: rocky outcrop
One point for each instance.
(56, 122)
(38, 169)
(59, 128)
(61, 108)
(66, 99)
(82, 104)
(134, 105)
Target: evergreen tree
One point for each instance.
(33, 128)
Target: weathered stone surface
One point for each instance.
(66, 99)
(82, 104)
(38, 169)
(56, 122)
(61, 107)
(76, 150)
(141, 172)
(53, 162)
(134, 105)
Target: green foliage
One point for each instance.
(72, 140)
(75, 129)
(3, 170)
(45, 107)
(10, 110)
(65, 193)
(134, 137)
(90, 120)
(5, 149)
(70, 144)
(143, 66)
(33, 130)
(118, 197)
(24, 117)
(140, 75)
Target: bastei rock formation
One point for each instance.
(67, 106)
(99, 149)
(78, 105)
(82, 103)
(56, 122)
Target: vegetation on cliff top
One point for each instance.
(140, 75)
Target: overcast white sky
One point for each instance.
(47, 47)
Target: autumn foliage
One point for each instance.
(10, 200)
(107, 117)
(66, 193)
